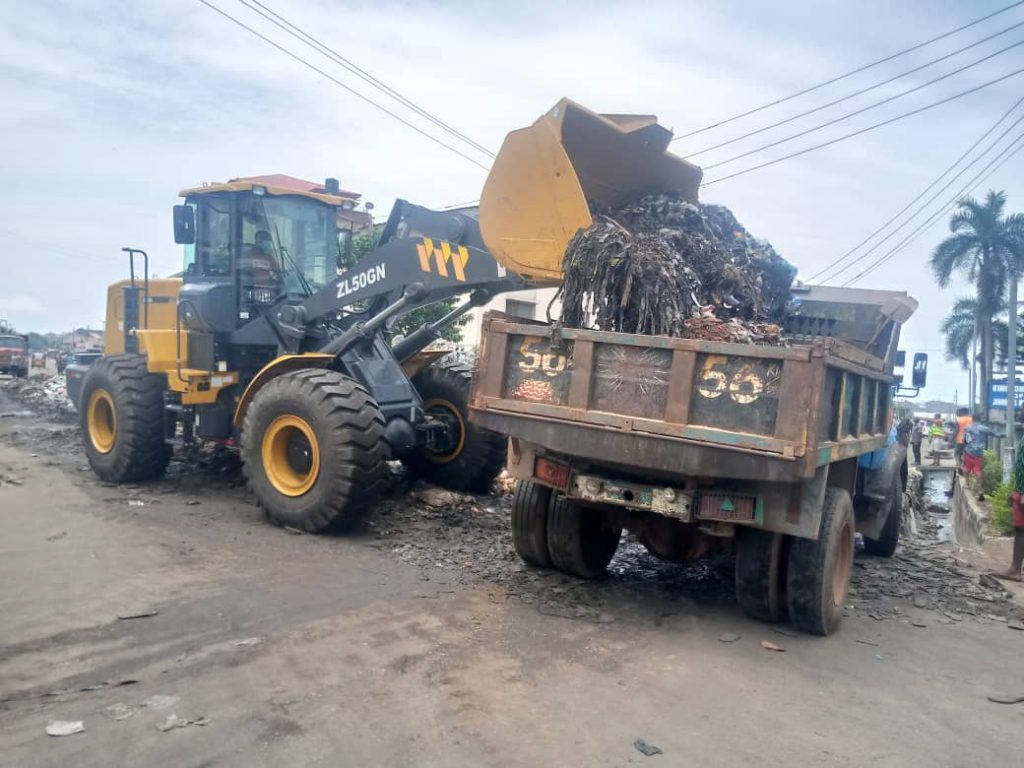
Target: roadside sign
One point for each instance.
(997, 394)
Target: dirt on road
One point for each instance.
(182, 630)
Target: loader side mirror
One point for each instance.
(184, 225)
(919, 373)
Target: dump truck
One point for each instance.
(14, 354)
(777, 454)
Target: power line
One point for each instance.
(979, 179)
(838, 139)
(340, 84)
(930, 200)
(942, 211)
(850, 73)
(925, 191)
(863, 109)
(322, 48)
(861, 92)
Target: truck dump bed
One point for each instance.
(672, 407)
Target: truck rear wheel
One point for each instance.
(760, 573)
(530, 503)
(121, 413)
(581, 541)
(818, 571)
(885, 544)
(314, 451)
(472, 457)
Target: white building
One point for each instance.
(531, 304)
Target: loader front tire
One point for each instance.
(313, 450)
(473, 457)
(581, 541)
(818, 572)
(121, 413)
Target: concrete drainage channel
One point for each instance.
(957, 516)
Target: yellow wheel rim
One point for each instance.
(291, 455)
(440, 404)
(102, 420)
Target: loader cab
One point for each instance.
(249, 246)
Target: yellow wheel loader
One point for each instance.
(263, 345)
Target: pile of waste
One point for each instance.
(663, 266)
(48, 394)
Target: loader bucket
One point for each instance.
(547, 178)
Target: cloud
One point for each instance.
(22, 305)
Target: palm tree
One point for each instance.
(988, 248)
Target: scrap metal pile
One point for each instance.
(663, 266)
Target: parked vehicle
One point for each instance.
(14, 354)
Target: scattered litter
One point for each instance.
(160, 701)
(294, 531)
(143, 614)
(920, 601)
(57, 536)
(173, 721)
(867, 642)
(438, 497)
(990, 581)
(879, 657)
(768, 645)
(646, 748)
(136, 503)
(247, 642)
(728, 637)
(118, 711)
(1006, 698)
(64, 727)
(1015, 624)
(192, 503)
(784, 632)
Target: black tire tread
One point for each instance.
(889, 538)
(530, 502)
(140, 451)
(579, 542)
(351, 425)
(808, 580)
(760, 574)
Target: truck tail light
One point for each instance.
(553, 473)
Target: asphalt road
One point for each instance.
(422, 642)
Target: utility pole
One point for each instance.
(1009, 451)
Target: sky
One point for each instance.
(110, 108)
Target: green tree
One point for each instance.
(362, 245)
(987, 247)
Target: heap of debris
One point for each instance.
(663, 266)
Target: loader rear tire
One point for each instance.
(889, 538)
(121, 413)
(581, 541)
(818, 572)
(314, 451)
(530, 503)
(475, 456)
(760, 573)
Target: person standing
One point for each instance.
(975, 434)
(936, 437)
(963, 421)
(1017, 504)
(916, 436)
